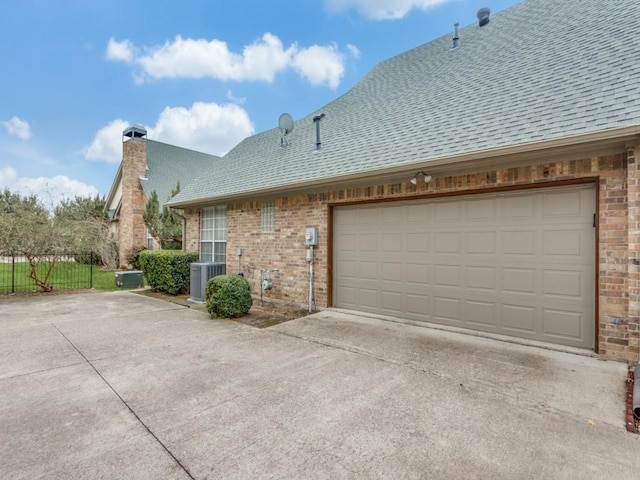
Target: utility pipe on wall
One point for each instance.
(636, 392)
(310, 260)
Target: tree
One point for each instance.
(28, 229)
(88, 229)
(163, 225)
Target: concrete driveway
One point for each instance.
(117, 385)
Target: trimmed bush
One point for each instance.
(228, 296)
(167, 270)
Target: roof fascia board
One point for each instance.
(114, 186)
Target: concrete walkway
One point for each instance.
(117, 385)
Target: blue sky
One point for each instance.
(201, 74)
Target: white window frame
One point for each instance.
(268, 214)
(213, 234)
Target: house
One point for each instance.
(146, 166)
(488, 182)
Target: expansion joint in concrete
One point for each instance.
(124, 402)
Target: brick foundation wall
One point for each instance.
(619, 229)
(131, 229)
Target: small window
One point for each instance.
(268, 217)
(149, 241)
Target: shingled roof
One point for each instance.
(540, 71)
(169, 165)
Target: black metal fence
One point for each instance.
(66, 271)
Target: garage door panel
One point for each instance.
(519, 318)
(519, 280)
(519, 242)
(480, 314)
(562, 283)
(563, 324)
(393, 242)
(446, 309)
(419, 304)
(483, 209)
(448, 212)
(566, 243)
(518, 208)
(562, 204)
(480, 243)
(418, 273)
(418, 242)
(447, 276)
(481, 278)
(447, 242)
(517, 263)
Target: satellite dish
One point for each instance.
(285, 122)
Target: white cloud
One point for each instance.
(381, 9)
(262, 60)
(18, 128)
(355, 52)
(204, 127)
(107, 144)
(121, 51)
(50, 190)
(320, 65)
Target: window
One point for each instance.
(213, 234)
(268, 217)
(149, 241)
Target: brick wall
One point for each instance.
(633, 267)
(619, 229)
(131, 229)
(191, 232)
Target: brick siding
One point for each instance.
(619, 228)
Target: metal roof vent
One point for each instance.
(316, 120)
(456, 37)
(483, 16)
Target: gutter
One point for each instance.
(630, 133)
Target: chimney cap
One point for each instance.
(483, 16)
(135, 131)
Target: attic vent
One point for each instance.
(483, 16)
(456, 38)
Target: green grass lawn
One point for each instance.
(65, 275)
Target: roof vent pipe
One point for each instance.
(456, 38)
(316, 120)
(483, 16)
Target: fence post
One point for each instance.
(13, 273)
(91, 269)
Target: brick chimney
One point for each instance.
(131, 229)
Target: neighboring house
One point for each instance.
(146, 166)
(529, 132)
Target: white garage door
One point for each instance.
(519, 264)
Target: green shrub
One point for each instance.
(167, 270)
(228, 296)
(133, 256)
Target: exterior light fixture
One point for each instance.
(425, 176)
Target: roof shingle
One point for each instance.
(540, 70)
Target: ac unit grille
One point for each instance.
(201, 273)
